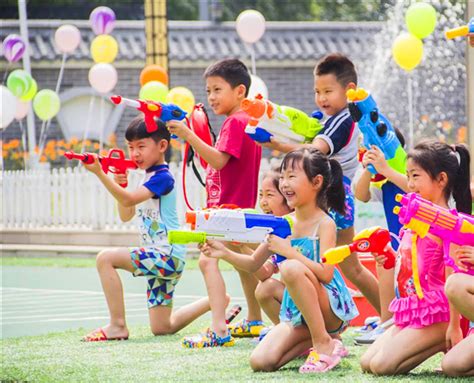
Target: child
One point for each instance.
(316, 301)
(154, 204)
(424, 322)
(232, 178)
(334, 75)
(459, 361)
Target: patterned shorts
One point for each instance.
(345, 221)
(161, 271)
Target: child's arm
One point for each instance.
(464, 256)
(249, 263)
(376, 157)
(362, 186)
(211, 155)
(126, 199)
(283, 147)
(453, 332)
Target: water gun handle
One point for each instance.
(116, 159)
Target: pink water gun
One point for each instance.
(424, 217)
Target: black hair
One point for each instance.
(314, 162)
(137, 130)
(435, 157)
(274, 175)
(400, 136)
(340, 66)
(233, 71)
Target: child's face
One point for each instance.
(296, 187)
(146, 152)
(330, 95)
(222, 98)
(270, 199)
(420, 182)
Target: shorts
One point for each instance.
(162, 272)
(345, 221)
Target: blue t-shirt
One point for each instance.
(157, 215)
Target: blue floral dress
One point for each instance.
(340, 298)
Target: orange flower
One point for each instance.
(87, 143)
(446, 126)
(37, 150)
(74, 141)
(14, 143)
(96, 146)
(424, 118)
(462, 134)
(4, 154)
(104, 152)
(61, 152)
(43, 158)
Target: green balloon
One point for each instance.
(46, 104)
(421, 19)
(31, 92)
(19, 82)
(154, 91)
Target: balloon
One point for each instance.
(31, 92)
(13, 48)
(154, 91)
(8, 107)
(46, 104)
(407, 51)
(421, 19)
(153, 73)
(103, 77)
(22, 108)
(67, 38)
(250, 25)
(102, 20)
(257, 86)
(104, 49)
(182, 97)
(19, 82)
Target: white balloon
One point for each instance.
(250, 25)
(67, 38)
(257, 86)
(22, 108)
(103, 77)
(8, 107)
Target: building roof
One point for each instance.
(192, 42)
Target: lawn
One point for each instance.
(61, 357)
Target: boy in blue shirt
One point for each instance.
(334, 75)
(154, 205)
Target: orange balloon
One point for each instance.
(153, 73)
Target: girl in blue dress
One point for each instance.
(316, 301)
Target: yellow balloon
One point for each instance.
(104, 49)
(182, 97)
(407, 51)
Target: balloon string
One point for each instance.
(88, 122)
(41, 138)
(5, 74)
(61, 72)
(101, 123)
(23, 140)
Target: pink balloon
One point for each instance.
(22, 108)
(102, 20)
(13, 48)
(103, 77)
(67, 38)
(250, 26)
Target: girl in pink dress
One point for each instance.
(425, 324)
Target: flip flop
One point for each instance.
(340, 349)
(99, 335)
(318, 363)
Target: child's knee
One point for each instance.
(379, 366)
(452, 286)
(161, 329)
(365, 363)
(103, 258)
(264, 291)
(451, 366)
(207, 264)
(291, 270)
(262, 362)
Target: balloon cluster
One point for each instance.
(104, 49)
(250, 26)
(407, 49)
(154, 81)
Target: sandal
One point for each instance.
(99, 335)
(208, 339)
(246, 329)
(340, 349)
(317, 363)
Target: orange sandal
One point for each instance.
(99, 335)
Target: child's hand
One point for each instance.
(273, 144)
(453, 336)
(178, 128)
(279, 245)
(121, 178)
(213, 249)
(464, 256)
(470, 36)
(376, 158)
(95, 166)
(380, 259)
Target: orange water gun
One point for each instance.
(371, 240)
(461, 31)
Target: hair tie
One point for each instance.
(457, 155)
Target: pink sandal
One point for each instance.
(316, 363)
(340, 349)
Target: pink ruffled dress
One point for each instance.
(419, 285)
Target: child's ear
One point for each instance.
(351, 85)
(318, 181)
(443, 179)
(241, 89)
(163, 145)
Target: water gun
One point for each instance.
(372, 240)
(152, 110)
(232, 225)
(376, 129)
(285, 123)
(114, 162)
(461, 31)
(423, 217)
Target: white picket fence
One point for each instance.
(74, 198)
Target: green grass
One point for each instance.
(191, 263)
(61, 357)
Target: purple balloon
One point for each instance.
(13, 48)
(102, 20)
